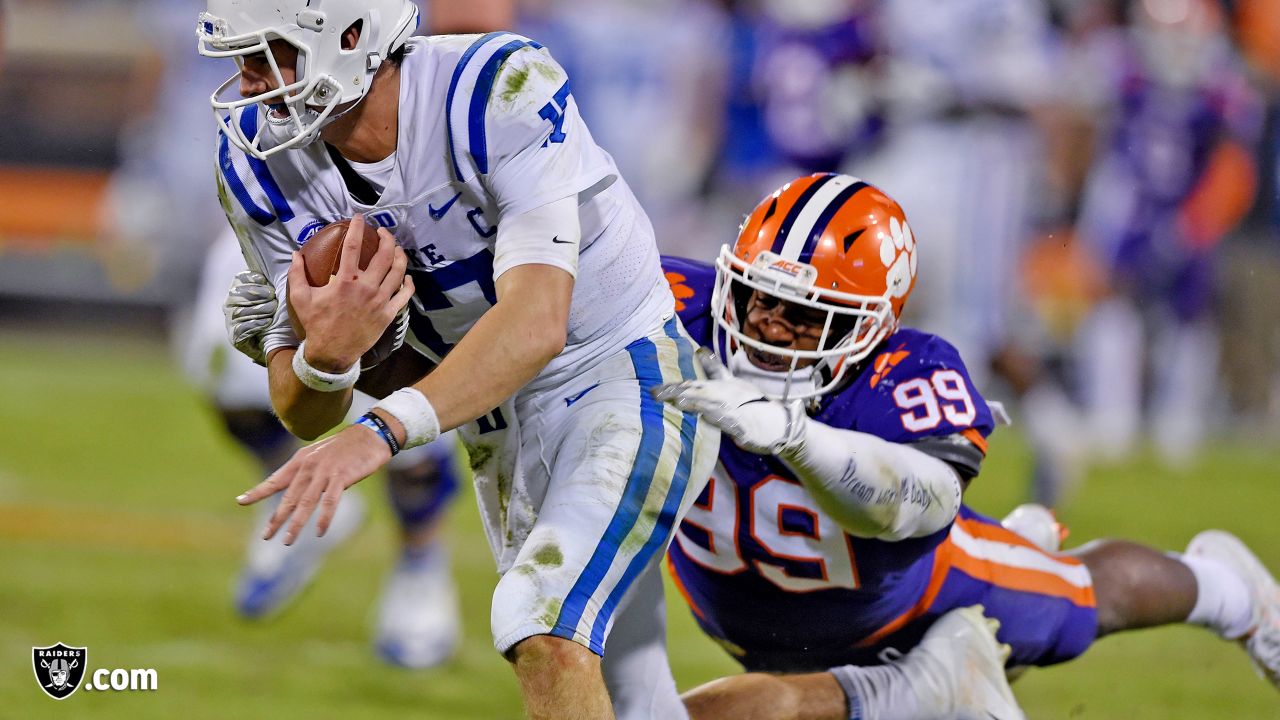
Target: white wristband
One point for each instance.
(415, 413)
(321, 381)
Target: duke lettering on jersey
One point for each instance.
(755, 532)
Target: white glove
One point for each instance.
(249, 311)
(756, 423)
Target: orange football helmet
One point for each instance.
(826, 241)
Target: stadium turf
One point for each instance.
(118, 532)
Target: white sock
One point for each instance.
(886, 692)
(1223, 602)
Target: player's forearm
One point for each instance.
(506, 348)
(875, 488)
(306, 413)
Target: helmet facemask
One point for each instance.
(852, 328)
(308, 102)
(328, 76)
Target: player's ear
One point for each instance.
(351, 35)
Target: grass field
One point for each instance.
(118, 532)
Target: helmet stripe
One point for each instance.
(810, 209)
(780, 240)
(824, 220)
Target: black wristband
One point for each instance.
(375, 423)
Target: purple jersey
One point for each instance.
(764, 569)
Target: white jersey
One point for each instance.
(488, 130)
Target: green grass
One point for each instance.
(118, 532)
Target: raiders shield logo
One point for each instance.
(59, 669)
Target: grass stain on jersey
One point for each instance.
(504, 498)
(516, 82)
(479, 455)
(645, 524)
(551, 611)
(549, 71)
(548, 555)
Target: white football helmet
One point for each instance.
(327, 76)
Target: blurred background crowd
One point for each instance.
(1093, 182)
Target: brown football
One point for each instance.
(321, 252)
(320, 255)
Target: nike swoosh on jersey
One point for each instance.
(569, 401)
(558, 241)
(438, 214)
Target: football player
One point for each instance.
(535, 293)
(832, 528)
(161, 202)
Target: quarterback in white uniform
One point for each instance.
(534, 285)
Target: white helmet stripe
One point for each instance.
(800, 230)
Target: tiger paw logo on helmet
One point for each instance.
(59, 669)
(900, 257)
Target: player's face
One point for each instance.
(257, 77)
(781, 323)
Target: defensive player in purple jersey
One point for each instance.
(832, 527)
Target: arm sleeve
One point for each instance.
(264, 241)
(875, 488)
(518, 127)
(548, 235)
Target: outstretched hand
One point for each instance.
(317, 475)
(741, 410)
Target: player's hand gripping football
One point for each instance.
(249, 311)
(738, 408)
(345, 317)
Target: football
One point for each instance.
(321, 252)
(320, 256)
